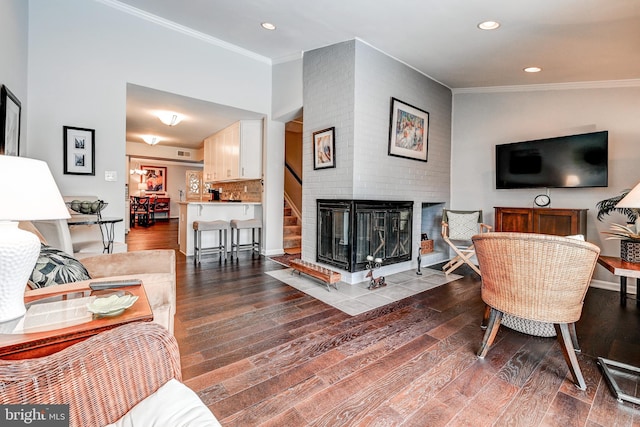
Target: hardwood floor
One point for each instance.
(259, 352)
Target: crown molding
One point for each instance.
(287, 58)
(115, 4)
(605, 84)
(400, 61)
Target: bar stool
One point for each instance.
(247, 224)
(198, 228)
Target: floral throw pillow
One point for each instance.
(55, 267)
(463, 226)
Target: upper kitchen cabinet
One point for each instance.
(234, 153)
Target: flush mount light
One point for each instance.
(268, 26)
(488, 25)
(170, 118)
(532, 69)
(151, 139)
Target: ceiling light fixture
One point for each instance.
(532, 69)
(151, 139)
(268, 26)
(489, 25)
(170, 118)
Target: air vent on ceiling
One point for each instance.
(184, 153)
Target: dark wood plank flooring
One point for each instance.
(259, 352)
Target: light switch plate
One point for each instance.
(110, 175)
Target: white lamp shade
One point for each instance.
(28, 191)
(631, 200)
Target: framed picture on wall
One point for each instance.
(79, 151)
(155, 180)
(408, 131)
(324, 148)
(10, 109)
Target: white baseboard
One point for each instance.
(271, 252)
(613, 286)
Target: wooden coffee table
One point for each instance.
(46, 341)
(623, 269)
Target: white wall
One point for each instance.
(287, 90)
(13, 60)
(483, 119)
(329, 97)
(376, 174)
(83, 53)
(349, 86)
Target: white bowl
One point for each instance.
(111, 305)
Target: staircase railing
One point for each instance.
(293, 190)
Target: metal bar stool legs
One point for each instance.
(249, 224)
(198, 228)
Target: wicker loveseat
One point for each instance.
(113, 374)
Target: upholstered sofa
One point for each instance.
(127, 376)
(156, 268)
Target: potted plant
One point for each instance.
(607, 206)
(629, 235)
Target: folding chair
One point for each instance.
(458, 227)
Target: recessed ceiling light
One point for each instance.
(268, 26)
(488, 25)
(532, 70)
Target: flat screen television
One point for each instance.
(561, 162)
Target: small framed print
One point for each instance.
(408, 131)
(79, 151)
(324, 148)
(10, 109)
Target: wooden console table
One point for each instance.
(623, 269)
(44, 342)
(559, 222)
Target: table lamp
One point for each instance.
(632, 201)
(28, 192)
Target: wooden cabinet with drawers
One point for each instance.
(559, 222)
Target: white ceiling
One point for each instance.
(572, 40)
(201, 118)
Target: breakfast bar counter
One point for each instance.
(211, 211)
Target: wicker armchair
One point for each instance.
(536, 277)
(100, 378)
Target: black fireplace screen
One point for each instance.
(350, 230)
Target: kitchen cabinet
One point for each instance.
(559, 222)
(209, 158)
(234, 153)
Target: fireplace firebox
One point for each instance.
(349, 230)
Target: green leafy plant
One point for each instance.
(607, 206)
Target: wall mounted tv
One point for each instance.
(561, 162)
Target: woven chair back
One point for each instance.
(535, 276)
(446, 211)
